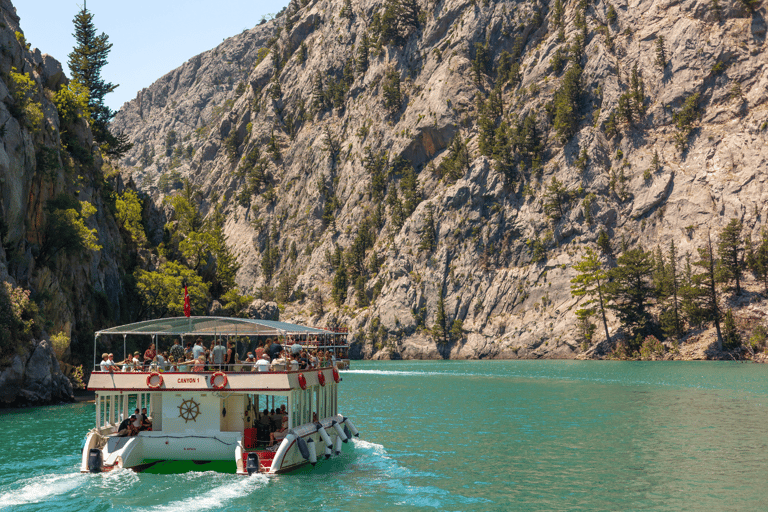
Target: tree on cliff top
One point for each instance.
(85, 63)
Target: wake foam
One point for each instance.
(41, 488)
(411, 374)
(215, 498)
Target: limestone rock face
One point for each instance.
(501, 264)
(260, 310)
(35, 379)
(40, 162)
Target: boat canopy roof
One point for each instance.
(213, 326)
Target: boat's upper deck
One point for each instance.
(210, 380)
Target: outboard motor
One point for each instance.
(312, 451)
(252, 463)
(95, 460)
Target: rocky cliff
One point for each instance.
(52, 184)
(372, 128)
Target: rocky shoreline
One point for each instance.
(35, 378)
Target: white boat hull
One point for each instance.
(148, 447)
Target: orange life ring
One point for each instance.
(336, 375)
(223, 381)
(321, 377)
(159, 380)
(302, 381)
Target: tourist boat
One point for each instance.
(334, 341)
(211, 416)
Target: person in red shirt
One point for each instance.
(149, 354)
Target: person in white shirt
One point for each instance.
(262, 365)
(104, 364)
(294, 364)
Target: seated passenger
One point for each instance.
(127, 365)
(104, 364)
(263, 423)
(262, 365)
(137, 364)
(124, 429)
(146, 424)
(199, 364)
(278, 435)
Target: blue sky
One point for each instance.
(150, 38)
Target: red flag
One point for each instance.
(187, 305)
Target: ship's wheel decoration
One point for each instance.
(189, 410)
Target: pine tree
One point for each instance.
(757, 258)
(339, 287)
(566, 103)
(638, 91)
(630, 292)
(557, 197)
(86, 60)
(428, 238)
(362, 54)
(604, 243)
(391, 91)
(731, 336)
(706, 284)
(591, 282)
(730, 248)
(440, 328)
(661, 53)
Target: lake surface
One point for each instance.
(460, 435)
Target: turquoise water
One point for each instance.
(454, 435)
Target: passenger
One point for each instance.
(123, 430)
(188, 351)
(250, 363)
(177, 351)
(294, 364)
(137, 366)
(160, 360)
(279, 434)
(198, 349)
(146, 423)
(277, 420)
(231, 358)
(259, 350)
(264, 421)
(278, 365)
(149, 354)
(171, 364)
(262, 364)
(128, 365)
(104, 364)
(199, 364)
(153, 365)
(137, 420)
(111, 360)
(219, 355)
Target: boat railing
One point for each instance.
(242, 367)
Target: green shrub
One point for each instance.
(23, 89)
(72, 102)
